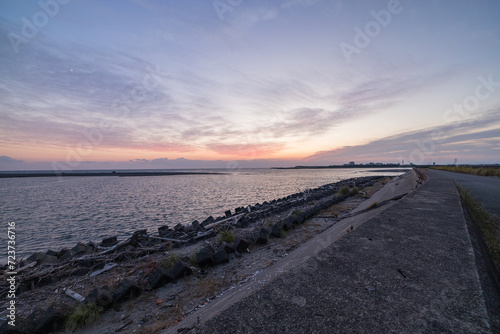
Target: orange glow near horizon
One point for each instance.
(34, 153)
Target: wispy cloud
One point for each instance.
(75, 88)
(460, 139)
(174, 79)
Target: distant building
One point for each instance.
(351, 163)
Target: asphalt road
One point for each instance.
(485, 189)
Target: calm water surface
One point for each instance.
(52, 213)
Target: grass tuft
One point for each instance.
(282, 233)
(192, 259)
(81, 316)
(227, 236)
(296, 213)
(344, 191)
(354, 191)
(169, 262)
(488, 224)
(372, 206)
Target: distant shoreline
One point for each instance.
(110, 173)
(125, 173)
(348, 166)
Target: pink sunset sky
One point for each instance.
(212, 84)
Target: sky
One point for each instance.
(239, 83)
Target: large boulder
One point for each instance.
(197, 226)
(241, 245)
(261, 236)
(276, 230)
(41, 258)
(109, 242)
(220, 257)
(207, 221)
(52, 253)
(101, 297)
(204, 256)
(229, 248)
(288, 223)
(179, 270)
(158, 278)
(50, 320)
(81, 249)
(299, 218)
(125, 290)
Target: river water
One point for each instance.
(53, 213)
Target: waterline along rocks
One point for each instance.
(244, 227)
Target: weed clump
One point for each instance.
(354, 191)
(81, 316)
(227, 236)
(344, 191)
(192, 259)
(169, 262)
(282, 233)
(296, 213)
(269, 222)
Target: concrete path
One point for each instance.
(410, 268)
(486, 189)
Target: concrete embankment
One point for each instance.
(407, 267)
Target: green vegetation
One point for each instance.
(81, 316)
(282, 233)
(269, 222)
(192, 259)
(344, 191)
(296, 213)
(488, 224)
(169, 262)
(475, 170)
(226, 236)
